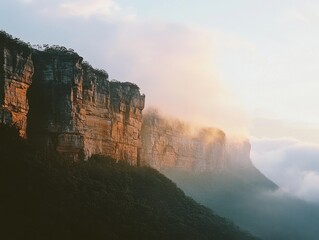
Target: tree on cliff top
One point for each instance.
(7, 40)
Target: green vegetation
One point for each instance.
(49, 198)
(20, 46)
(87, 67)
(58, 50)
(14, 43)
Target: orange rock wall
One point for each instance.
(64, 105)
(17, 70)
(82, 113)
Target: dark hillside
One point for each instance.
(46, 198)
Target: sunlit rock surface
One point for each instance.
(16, 78)
(64, 105)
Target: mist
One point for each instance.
(252, 202)
(290, 163)
(284, 209)
(182, 84)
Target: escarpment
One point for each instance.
(77, 111)
(62, 104)
(15, 79)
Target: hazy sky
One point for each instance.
(242, 65)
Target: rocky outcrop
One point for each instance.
(15, 80)
(170, 144)
(77, 111)
(64, 105)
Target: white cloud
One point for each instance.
(310, 186)
(293, 165)
(303, 12)
(26, 1)
(89, 8)
(294, 16)
(107, 10)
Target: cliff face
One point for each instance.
(64, 105)
(77, 111)
(169, 144)
(15, 80)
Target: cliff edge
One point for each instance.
(65, 105)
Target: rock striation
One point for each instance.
(77, 111)
(170, 144)
(15, 79)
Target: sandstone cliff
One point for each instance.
(170, 144)
(78, 111)
(15, 79)
(67, 106)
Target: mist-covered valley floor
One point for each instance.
(253, 202)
